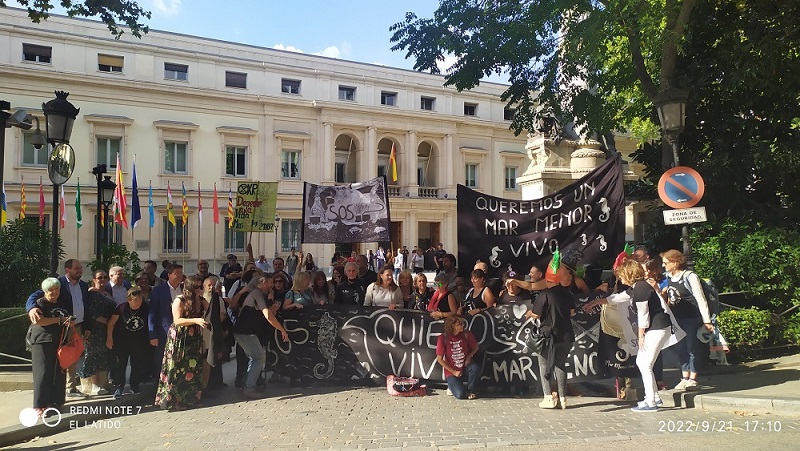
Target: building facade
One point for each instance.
(197, 113)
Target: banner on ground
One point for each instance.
(354, 213)
(342, 344)
(255, 207)
(587, 215)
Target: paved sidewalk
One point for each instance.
(366, 417)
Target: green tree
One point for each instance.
(24, 260)
(111, 12)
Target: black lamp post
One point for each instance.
(108, 188)
(60, 116)
(671, 105)
(277, 223)
(105, 195)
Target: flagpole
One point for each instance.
(149, 228)
(78, 236)
(198, 220)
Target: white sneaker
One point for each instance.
(449, 392)
(691, 384)
(682, 384)
(98, 391)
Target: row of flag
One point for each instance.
(120, 205)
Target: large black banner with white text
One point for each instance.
(343, 344)
(354, 213)
(587, 215)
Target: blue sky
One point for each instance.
(356, 30)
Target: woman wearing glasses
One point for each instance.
(98, 362)
(443, 303)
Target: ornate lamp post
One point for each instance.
(671, 105)
(277, 223)
(105, 195)
(60, 116)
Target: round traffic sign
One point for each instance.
(681, 187)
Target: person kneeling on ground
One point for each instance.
(455, 350)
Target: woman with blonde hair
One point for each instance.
(405, 281)
(299, 296)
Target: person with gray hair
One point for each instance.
(350, 291)
(43, 338)
(117, 287)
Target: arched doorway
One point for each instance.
(346, 158)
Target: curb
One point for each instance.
(749, 404)
(102, 410)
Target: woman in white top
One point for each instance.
(384, 292)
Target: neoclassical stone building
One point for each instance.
(198, 112)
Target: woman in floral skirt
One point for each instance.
(180, 384)
(99, 359)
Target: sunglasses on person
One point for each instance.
(101, 277)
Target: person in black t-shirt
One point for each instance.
(350, 291)
(128, 337)
(438, 255)
(230, 273)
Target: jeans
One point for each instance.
(688, 349)
(257, 357)
(456, 384)
(653, 342)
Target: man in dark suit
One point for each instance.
(72, 299)
(160, 316)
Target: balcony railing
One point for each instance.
(428, 193)
(394, 191)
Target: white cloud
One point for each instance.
(167, 7)
(288, 48)
(329, 52)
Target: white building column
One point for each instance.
(328, 154)
(368, 163)
(412, 230)
(408, 166)
(447, 168)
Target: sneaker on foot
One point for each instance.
(691, 384)
(548, 403)
(682, 384)
(644, 407)
(118, 393)
(97, 391)
(74, 393)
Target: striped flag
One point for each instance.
(3, 214)
(136, 210)
(199, 206)
(184, 205)
(150, 207)
(63, 206)
(230, 208)
(23, 204)
(170, 214)
(120, 204)
(41, 204)
(393, 163)
(215, 207)
(78, 212)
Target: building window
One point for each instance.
(34, 219)
(290, 86)
(290, 164)
(388, 98)
(290, 234)
(426, 103)
(175, 236)
(107, 149)
(234, 241)
(176, 71)
(109, 63)
(470, 109)
(37, 53)
(236, 161)
(347, 93)
(339, 171)
(508, 114)
(382, 171)
(235, 80)
(511, 177)
(110, 230)
(471, 175)
(32, 156)
(175, 157)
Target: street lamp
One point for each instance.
(19, 119)
(105, 195)
(59, 116)
(671, 105)
(107, 187)
(277, 223)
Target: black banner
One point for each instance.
(354, 213)
(587, 215)
(342, 344)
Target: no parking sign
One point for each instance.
(681, 187)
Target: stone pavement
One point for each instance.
(750, 398)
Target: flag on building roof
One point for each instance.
(120, 204)
(136, 209)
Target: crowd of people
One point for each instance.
(176, 331)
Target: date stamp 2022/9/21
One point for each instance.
(719, 426)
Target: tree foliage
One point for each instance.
(117, 255)
(24, 260)
(111, 12)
